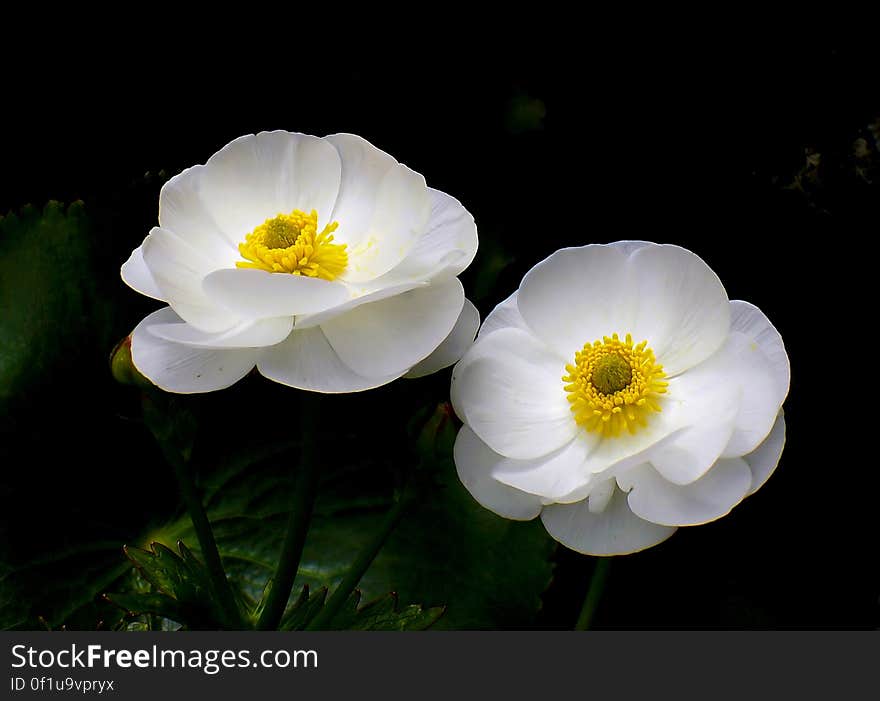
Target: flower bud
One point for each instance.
(122, 367)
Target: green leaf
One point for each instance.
(62, 588)
(181, 588)
(385, 614)
(52, 310)
(55, 333)
(304, 609)
(162, 568)
(487, 571)
(382, 614)
(137, 604)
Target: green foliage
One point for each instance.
(180, 584)
(304, 609)
(385, 614)
(178, 591)
(59, 588)
(51, 307)
(447, 551)
(54, 336)
(145, 603)
(489, 571)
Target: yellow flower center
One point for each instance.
(290, 243)
(614, 385)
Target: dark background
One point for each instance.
(702, 145)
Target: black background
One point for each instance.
(686, 142)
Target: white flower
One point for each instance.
(620, 394)
(323, 262)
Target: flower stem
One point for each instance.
(207, 544)
(360, 565)
(594, 593)
(305, 491)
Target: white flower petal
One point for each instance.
(690, 453)
(578, 295)
(137, 275)
(682, 435)
(389, 337)
(508, 388)
(614, 531)
(178, 270)
(382, 209)
(304, 321)
(682, 310)
(613, 454)
(764, 459)
(704, 402)
(746, 365)
(474, 461)
(306, 360)
(184, 369)
(505, 314)
(402, 208)
(363, 168)
(183, 211)
(550, 476)
(453, 346)
(257, 294)
(600, 496)
(247, 334)
(630, 247)
(610, 458)
(445, 249)
(258, 176)
(710, 497)
(762, 369)
(751, 321)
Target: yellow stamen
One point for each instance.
(290, 243)
(614, 385)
